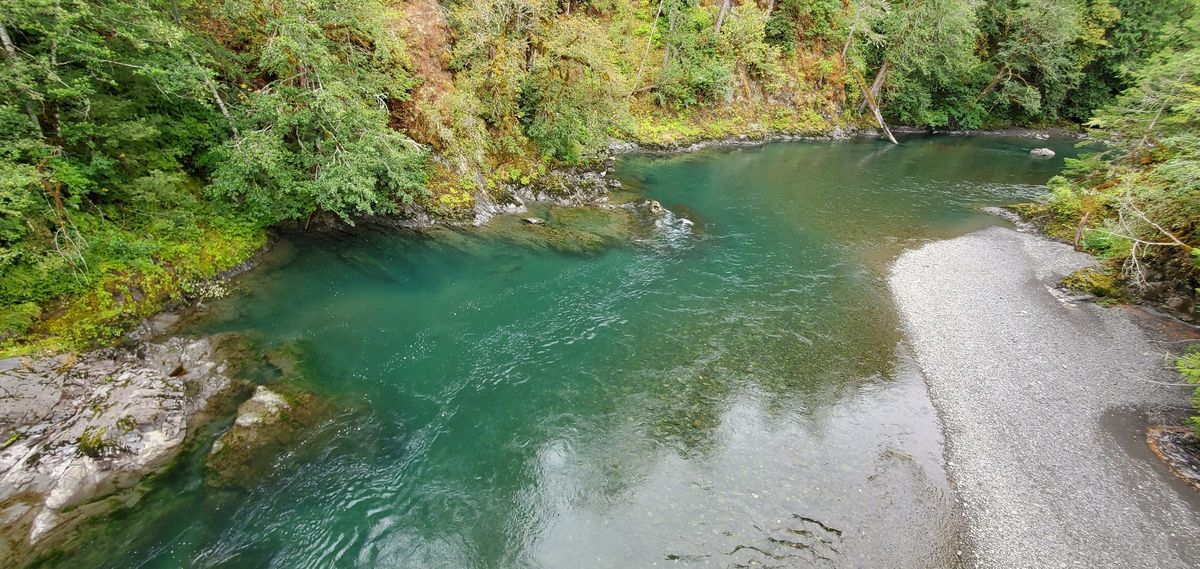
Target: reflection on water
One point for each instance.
(725, 385)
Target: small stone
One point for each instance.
(534, 220)
(1042, 152)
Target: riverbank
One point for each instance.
(84, 432)
(195, 269)
(596, 188)
(1040, 398)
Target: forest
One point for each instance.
(147, 146)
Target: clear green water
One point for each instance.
(719, 395)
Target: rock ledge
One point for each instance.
(81, 431)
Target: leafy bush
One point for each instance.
(574, 96)
(315, 137)
(1189, 366)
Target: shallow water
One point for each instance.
(717, 394)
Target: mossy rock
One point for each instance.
(267, 424)
(1043, 216)
(1097, 282)
(582, 230)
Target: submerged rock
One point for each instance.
(82, 431)
(1042, 152)
(266, 424)
(567, 229)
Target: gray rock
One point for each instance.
(1175, 303)
(80, 430)
(1042, 152)
(534, 220)
(1028, 385)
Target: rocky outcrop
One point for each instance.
(267, 423)
(81, 432)
(557, 187)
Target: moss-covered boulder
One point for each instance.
(272, 419)
(1097, 282)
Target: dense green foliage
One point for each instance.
(1137, 202)
(148, 145)
(1189, 366)
(313, 130)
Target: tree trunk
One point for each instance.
(212, 88)
(11, 50)
(721, 16)
(869, 94)
(992, 85)
(770, 7)
(641, 64)
(667, 51)
(877, 84)
(879, 118)
(208, 82)
(1079, 230)
(849, 35)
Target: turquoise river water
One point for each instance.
(728, 391)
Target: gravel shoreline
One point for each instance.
(1026, 383)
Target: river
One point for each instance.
(730, 390)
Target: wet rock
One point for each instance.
(568, 229)
(1179, 448)
(1042, 152)
(1176, 304)
(655, 207)
(557, 187)
(266, 424)
(82, 431)
(154, 326)
(1153, 290)
(534, 220)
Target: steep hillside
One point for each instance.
(149, 146)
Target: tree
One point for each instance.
(1144, 28)
(575, 95)
(315, 135)
(921, 50)
(99, 108)
(1038, 49)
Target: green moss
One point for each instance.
(93, 444)
(1047, 219)
(16, 320)
(126, 424)
(1098, 282)
(1189, 366)
(132, 275)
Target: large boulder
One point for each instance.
(79, 432)
(266, 424)
(1042, 152)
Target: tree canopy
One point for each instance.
(154, 137)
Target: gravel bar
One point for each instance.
(1026, 382)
